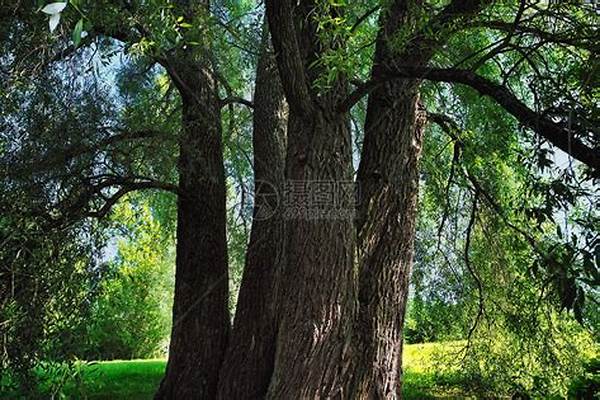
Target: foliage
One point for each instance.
(491, 254)
(507, 252)
(588, 384)
(433, 319)
(47, 274)
(130, 318)
(51, 254)
(46, 286)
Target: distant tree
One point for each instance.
(129, 318)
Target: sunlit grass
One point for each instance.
(428, 371)
(424, 377)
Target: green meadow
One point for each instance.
(139, 379)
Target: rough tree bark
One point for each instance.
(323, 317)
(248, 364)
(201, 320)
(388, 178)
(316, 293)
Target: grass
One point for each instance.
(424, 377)
(426, 371)
(128, 379)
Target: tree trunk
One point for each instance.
(322, 314)
(388, 177)
(317, 294)
(389, 180)
(316, 291)
(201, 320)
(248, 365)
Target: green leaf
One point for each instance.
(77, 32)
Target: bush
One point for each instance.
(46, 287)
(131, 317)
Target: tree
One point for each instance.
(388, 173)
(249, 359)
(201, 248)
(130, 315)
(321, 308)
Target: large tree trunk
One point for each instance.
(316, 291)
(201, 320)
(315, 286)
(388, 177)
(248, 364)
(317, 296)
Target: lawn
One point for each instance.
(122, 379)
(138, 379)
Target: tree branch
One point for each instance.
(565, 38)
(289, 55)
(364, 17)
(554, 133)
(128, 188)
(476, 278)
(236, 100)
(62, 156)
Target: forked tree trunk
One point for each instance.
(201, 320)
(333, 340)
(248, 364)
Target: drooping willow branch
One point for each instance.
(564, 38)
(451, 128)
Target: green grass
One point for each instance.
(424, 377)
(426, 371)
(130, 379)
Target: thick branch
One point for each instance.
(236, 100)
(289, 56)
(559, 136)
(128, 188)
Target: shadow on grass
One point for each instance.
(132, 379)
(139, 379)
(431, 385)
